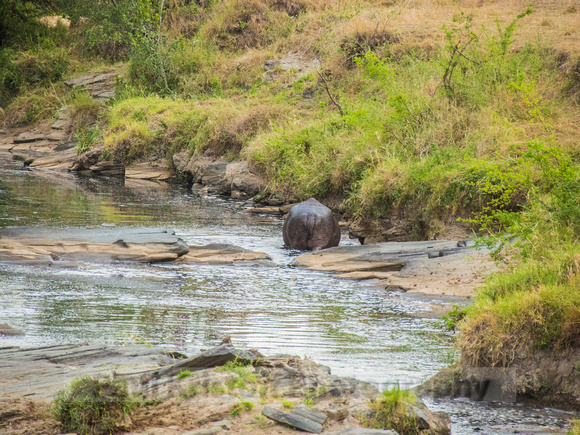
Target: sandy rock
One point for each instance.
(101, 86)
(214, 177)
(363, 431)
(216, 356)
(39, 373)
(63, 118)
(218, 253)
(63, 161)
(28, 137)
(180, 160)
(22, 244)
(432, 267)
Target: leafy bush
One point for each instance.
(111, 29)
(453, 317)
(39, 66)
(92, 406)
(152, 68)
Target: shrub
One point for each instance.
(111, 29)
(92, 406)
(391, 412)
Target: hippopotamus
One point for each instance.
(310, 226)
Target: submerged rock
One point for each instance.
(9, 330)
(222, 253)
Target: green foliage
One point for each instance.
(183, 374)
(152, 68)
(86, 138)
(243, 406)
(535, 303)
(41, 65)
(245, 373)
(453, 317)
(473, 59)
(547, 178)
(92, 406)
(19, 17)
(288, 404)
(111, 29)
(392, 412)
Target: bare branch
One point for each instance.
(336, 103)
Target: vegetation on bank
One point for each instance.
(476, 120)
(93, 406)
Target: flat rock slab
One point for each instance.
(39, 373)
(147, 171)
(221, 253)
(432, 267)
(146, 245)
(301, 417)
(63, 160)
(27, 137)
(101, 86)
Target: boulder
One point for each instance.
(214, 177)
(241, 178)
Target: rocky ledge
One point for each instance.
(62, 247)
(199, 395)
(434, 267)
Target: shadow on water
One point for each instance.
(356, 328)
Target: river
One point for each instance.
(356, 328)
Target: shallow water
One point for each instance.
(356, 328)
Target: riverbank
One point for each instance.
(222, 390)
(414, 121)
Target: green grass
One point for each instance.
(184, 374)
(245, 374)
(392, 412)
(241, 407)
(92, 406)
(288, 404)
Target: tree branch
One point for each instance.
(336, 103)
